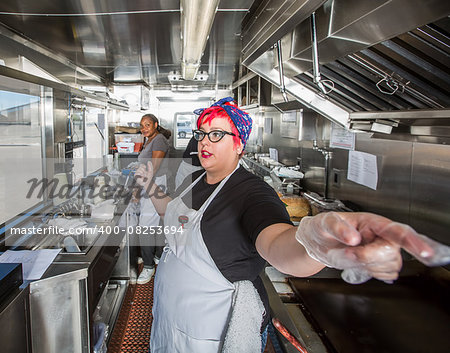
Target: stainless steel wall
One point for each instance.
(413, 178)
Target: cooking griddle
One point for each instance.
(411, 315)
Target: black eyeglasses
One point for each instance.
(213, 136)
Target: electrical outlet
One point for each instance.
(337, 175)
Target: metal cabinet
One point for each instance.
(14, 323)
(59, 313)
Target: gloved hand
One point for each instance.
(366, 245)
(144, 175)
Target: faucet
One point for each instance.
(328, 155)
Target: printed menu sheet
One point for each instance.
(342, 138)
(362, 169)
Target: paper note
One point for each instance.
(342, 138)
(273, 154)
(289, 116)
(259, 138)
(362, 169)
(268, 125)
(289, 130)
(34, 262)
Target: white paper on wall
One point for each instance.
(289, 130)
(259, 138)
(342, 138)
(268, 125)
(273, 154)
(362, 169)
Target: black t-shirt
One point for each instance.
(230, 225)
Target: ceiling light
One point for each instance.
(197, 17)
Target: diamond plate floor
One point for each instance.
(132, 330)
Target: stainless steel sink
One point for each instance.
(83, 239)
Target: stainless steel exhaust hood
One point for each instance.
(271, 20)
(382, 56)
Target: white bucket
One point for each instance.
(125, 147)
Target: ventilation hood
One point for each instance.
(388, 62)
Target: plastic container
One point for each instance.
(71, 245)
(137, 139)
(125, 147)
(116, 161)
(109, 162)
(100, 337)
(290, 188)
(100, 181)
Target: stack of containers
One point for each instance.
(129, 143)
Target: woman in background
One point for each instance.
(154, 150)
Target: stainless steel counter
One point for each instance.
(76, 301)
(73, 287)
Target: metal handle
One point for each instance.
(280, 70)
(321, 84)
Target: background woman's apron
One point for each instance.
(192, 299)
(149, 217)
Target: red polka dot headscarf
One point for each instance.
(240, 119)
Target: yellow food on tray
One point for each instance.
(297, 207)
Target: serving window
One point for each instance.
(21, 153)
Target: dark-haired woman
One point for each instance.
(155, 149)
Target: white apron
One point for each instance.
(192, 299)
(149, 217)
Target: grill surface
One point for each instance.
(411, 315)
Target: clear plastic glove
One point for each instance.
(133, 165)
(144, 175)
(366, 245)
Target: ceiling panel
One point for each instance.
(126, 41)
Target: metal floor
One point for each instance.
(131, 332)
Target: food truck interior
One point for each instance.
(350, 101)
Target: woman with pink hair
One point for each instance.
(221, 230)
